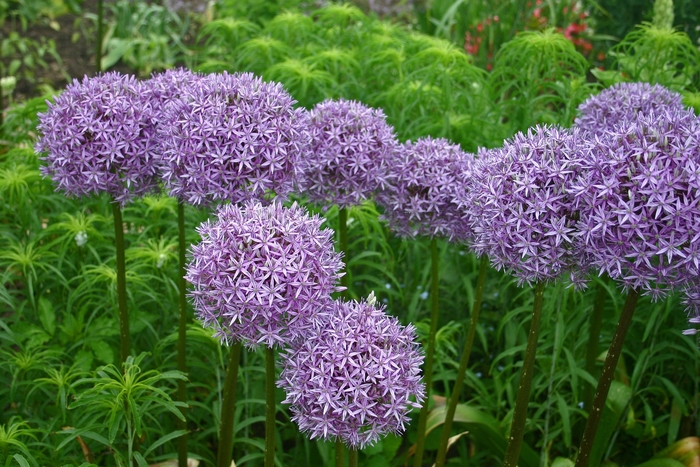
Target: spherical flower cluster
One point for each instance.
(637, 197)
(351, 146)
(99, 136)
(354, 378)
(169, 86)
(424, 179)
(621, 103)
(262, 274)
(232, 137)
(692, 303)
(520, 206)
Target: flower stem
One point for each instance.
(228, 406)
(100, 34)
(594, 329)
(430, 353)
(181, 337)
(517, 428)
(606, 378)
(352, 457)
(269, 407)
(121, 282)
(339, 453)
(463, 363)
(343, 246)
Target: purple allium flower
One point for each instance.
(423, 181)
(621, 103)
(99, 136)
(262, 274)
(638, 202)
(692, 303)
(350, 151)
(169, 86)
(518, 200)
(232, 137)
(353, 379)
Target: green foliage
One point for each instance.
(529, 89)
(659, 56)
(21, 56)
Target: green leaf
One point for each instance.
(103, 351)
(140, 461)
(661, 463)
(117, 49)
(21, 460)
(163, 440)
(47, 316)
(618, 398)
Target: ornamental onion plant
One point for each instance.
(637, 198)
(99, 137)
(227, 138)
(263, 276)
(355, 377)
(519, 202)
(419, 199)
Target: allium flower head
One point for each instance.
(262, 274)
(232, 137)
(423, 181)
(638, 202)
(169, 86)
(354, 378)
(99, 136)
(519, 202)
(621, 103)
(351, 146)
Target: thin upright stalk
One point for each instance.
(463, 363)
(352, 457)
(100, 35)
(228, 408)
(182, 336)
(517, 427)
(339, 453)
(124, 348)
(596, 324)
(343, 246)
(606, 378)
(269, 407)
(429, 354)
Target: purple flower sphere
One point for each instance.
(232, 138)
(262, 274)
(424, 179)
(354, 378)
(519, 201)
(351, 146)
(621, 103)
(638, 202)
(99, 136)
(168, 87)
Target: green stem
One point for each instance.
(596, 324)
(100, 34)
(429, 354)
(121, 281)
(463, 363)
(343, 245)
(182, 337)
(269, 407)
(352, 457)
(339, 453)
(606, 378)
(517, 428)
(228, 408)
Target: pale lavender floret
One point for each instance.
(356, 378)
(424, 179)
(519, 203)
(232, 138)
(637, 196)
(99, 136)
(168, 87)
(262, 275)
(621, 103)
(351, 146)
(691, 301)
